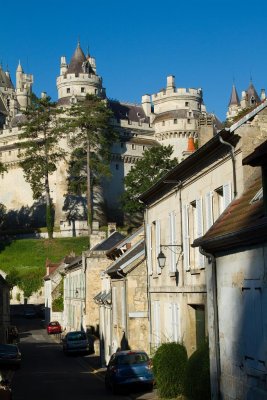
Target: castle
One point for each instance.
(173, 116)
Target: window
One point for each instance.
(133, 146)
(186, 104)
(163, 123)
(9, 153)
(199, 261)
(122, 144)
(95, 91)
(157, 239)
(68, 90)
(156, 323)
(114, 306)
(188, 120)
(123, 307)
(223, 197)
(117, 166)
(82, 90)
(209, 209)
(175, 121)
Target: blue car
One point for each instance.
(127, 368)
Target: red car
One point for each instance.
(54, 327)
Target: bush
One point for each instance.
(169, 365)
(197, 376)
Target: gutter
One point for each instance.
(232, 154)
(217, 391)
(125, 302)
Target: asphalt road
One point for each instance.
(47, 374)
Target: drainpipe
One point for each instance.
(216, 321)
(125, 302)
(232, 154)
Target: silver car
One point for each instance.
(75, 342)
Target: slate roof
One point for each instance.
(132, 112)
(126, 257)
(243, 223)
(183, 113)
(234, 99)
(76, 62)
(253, 93)
(75, 262)
(108, 243)
(4, 80)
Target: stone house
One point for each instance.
(95, 262)
(236, 246)
(122, 300)
(4, 310)
(180, 208)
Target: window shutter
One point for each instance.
(209, 210)
(157, 247)
(186, 247)
(123, 313)
(227, 195)
(175, 322)
(172, 250)
(156, 324)
(199, 222)
(148, 249)
(114, 306)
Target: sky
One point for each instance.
(206, 44)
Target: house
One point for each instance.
(236, 248)
(180, 208)
(4, 309)
(95, 262)
(123, 299)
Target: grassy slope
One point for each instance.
(34, 252)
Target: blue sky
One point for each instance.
(137, 44)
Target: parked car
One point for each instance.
(53, 327)
(75, 342)
(10, 356)
(126, 368)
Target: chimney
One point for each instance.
(146, 104)
(170, 82)
(191, 144)
(263, 94)
(43, 95)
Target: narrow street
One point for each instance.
(46, 373)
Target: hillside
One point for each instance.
(24, 260)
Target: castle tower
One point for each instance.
(234, 105)
(23, 87)
(175, 117)
(78, 78)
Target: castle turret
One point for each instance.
(23, 87)
(234, 105)
(79, 78)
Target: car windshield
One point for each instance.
(8, 348)
(132, 358)
(72, 336)
(54, 323)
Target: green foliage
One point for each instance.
(50, 219)
(39, 146)
(2, 215)
(154, 164)
(58, 302)
(2, 168)
(197, 375)
(169, 363)
(24, 260)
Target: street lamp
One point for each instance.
(161, 256)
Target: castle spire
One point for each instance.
(78, 58)
(19, 68)
(234, 99)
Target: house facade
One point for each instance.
(236, 246)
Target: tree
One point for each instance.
(92, 137)
(155, 163)
(41, 151)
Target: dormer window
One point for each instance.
(68, 90)
(82, 90)
(252, 100)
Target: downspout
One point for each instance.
(125, 302)
(181, 229)
(232, 154)
(216, 320)
(148, 282)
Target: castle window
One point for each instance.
(122, 144)
(117, 166)
(82, 90)
(186, 104)
(144, 147)
(68, 90)
(95, 91)
(133, 146)
(189, 121)
(9, 153)
(163, 123)
(190, 114)
(175, 121)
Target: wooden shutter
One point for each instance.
(175, 323)
(156, 323)
(114, 306)
(157, 246)
(123, 307)
(227, 195)
(172, 250)
(186, 247)
(209, 210)
(148, 249)
(199, 229)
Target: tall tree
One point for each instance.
(92, 136)
(41, 151)
(155, 163)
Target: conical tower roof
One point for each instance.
(251, 92)
(77, 60)
(234, 99)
